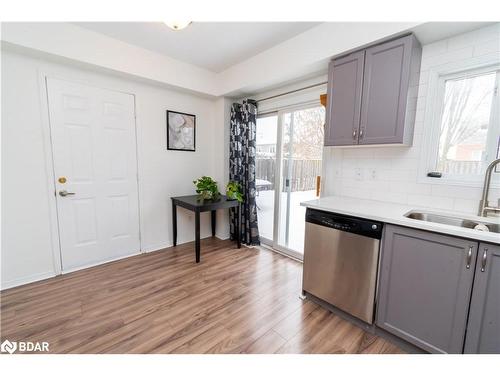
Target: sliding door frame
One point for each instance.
(278, 178)
(270, 241)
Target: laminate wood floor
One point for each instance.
(234, 301)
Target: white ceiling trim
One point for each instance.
(75, 43)
(304, 55)
(210, 45)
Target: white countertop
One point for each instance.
(393, 213)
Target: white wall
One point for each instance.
(27, 250)
(221, 157)
(307, 53)
(396, 169)
(75, 43)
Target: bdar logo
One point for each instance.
(24, 346)
(8, 346)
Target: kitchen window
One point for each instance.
(465, 133)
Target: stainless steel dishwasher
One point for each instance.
(340, 261)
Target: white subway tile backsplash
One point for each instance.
(487, 47)
(418, 127)
(422, 90)
(410, 188)
(375, 162)
(390, 173)
(393, 197)
(494, 193)
(401, 163)
(356, 153)
(400, 153)
(414, 78)
(444, 203)
(456, 55)
(420, 116)
(398, 175)
(413, 92)
(469, 206)
(424, 77)
(359, 193)
(463, 192)
(462, 41)
(420, 104)
(436, 48)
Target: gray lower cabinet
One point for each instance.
(425, 288)
(483, 330)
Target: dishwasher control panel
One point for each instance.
(345, 223)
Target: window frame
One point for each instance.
(434, 106)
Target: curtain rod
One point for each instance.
(292, 91)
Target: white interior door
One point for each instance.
(95, 167)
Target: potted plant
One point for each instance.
(233, 191)
(206, 188)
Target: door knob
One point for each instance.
(64, 193)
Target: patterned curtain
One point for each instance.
(242, 167)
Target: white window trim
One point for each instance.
(433, 112)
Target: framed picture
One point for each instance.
(181, 131)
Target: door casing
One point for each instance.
(50, 170)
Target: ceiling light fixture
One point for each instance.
(178, 25)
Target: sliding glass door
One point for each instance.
(289, 152)
(265, 181)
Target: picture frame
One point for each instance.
(181, 131)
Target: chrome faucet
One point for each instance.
(483, 204)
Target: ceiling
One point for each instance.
(211, 45)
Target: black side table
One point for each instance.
(190, 202)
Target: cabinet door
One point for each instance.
(345, 81)
(483, 330)
(425, 287)
(385, 89)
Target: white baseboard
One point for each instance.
(47, 275)
(156, 247)
(90, 265)
(26, 280)
(167, 244)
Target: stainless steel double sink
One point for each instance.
(454, 221)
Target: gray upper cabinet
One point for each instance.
(425, 287)
(372, 95)
(345, 80)
(483, 330)
(386, 82)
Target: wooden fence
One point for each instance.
(458, 167)
(302, 173)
